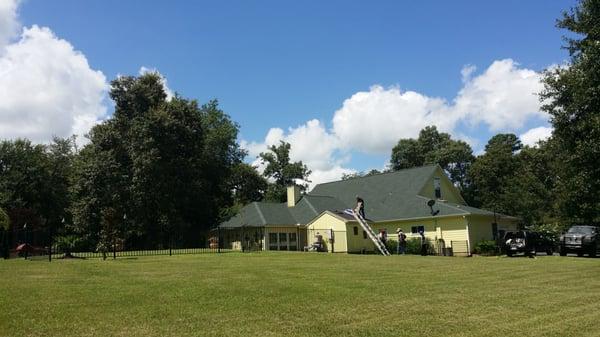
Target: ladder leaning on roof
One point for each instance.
(371, 234)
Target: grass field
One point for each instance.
(301, 294)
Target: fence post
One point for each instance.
(114, 248)
(170, 244)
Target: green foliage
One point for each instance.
(434, 147)
(282, 172)
(486, 247)
(372, 172)
(67, 243)
(247, 184)
(34, 182)
(4, 220)
(549, 231)
(156, 167)
(571, 97)
(413, 246)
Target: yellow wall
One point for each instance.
(449, 191)
(357, 243)
(323, 223)
(480, 227)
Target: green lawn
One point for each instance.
(301, 294)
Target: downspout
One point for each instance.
(468, 239)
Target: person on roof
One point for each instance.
(360, 207)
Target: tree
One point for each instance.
(372, 172)
(4, 225)
(4, 220)
(247, 184)
(571, 96)
(283, 172)
(433, 147)
(491, 173)
(156, 168)
(34, 182)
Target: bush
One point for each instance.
(486, 247)
(550, 232)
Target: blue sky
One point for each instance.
(280, 64)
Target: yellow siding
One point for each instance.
(321, 225)
(449, 191)
(358, 243)
(480, 227)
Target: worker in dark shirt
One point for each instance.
(360, 207)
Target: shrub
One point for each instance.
(486, 247)
(67, 244)
(549, 231)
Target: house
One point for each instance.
(392, 200)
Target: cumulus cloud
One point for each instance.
(48, 89)
(144, 70)
(9, 25)
(533, 136)
(502, 98)
(312, 144)
(373, 121)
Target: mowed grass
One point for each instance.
(301, 294)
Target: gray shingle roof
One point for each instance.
(387, 196)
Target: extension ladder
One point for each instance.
(376, 241)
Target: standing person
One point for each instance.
(360, 207)
(423, 244)
(383, 236)
(401, 241)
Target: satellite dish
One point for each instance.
(430, 203)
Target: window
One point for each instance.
(283, 241)
(417, 229)
(355, 230)
(272, 241)
(293, 241)
(364, 235)
(437, 187)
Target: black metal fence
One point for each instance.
(39, 244)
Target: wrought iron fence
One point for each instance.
(40, 244)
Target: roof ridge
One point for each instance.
(379, 174)
(260, 214)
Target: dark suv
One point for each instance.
(580, 240)
(527, 242)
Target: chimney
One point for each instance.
(293, 195)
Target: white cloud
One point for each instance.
(503, 97)
(467, 71)
(144, 70)
(373, 121)
(312, 144)
(9, 25)
(47, 88)
(532, 136)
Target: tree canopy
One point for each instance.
(282, 171)
(572, 98)
(434, 147)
